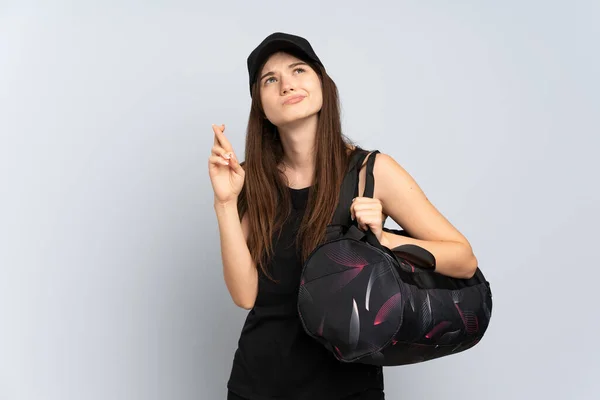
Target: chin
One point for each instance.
(293, 120)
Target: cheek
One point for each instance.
(267, 105)
(317, 92)
(318, 98)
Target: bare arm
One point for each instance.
(405, 202)
(227, 178)
(402, 199)
(239, 270)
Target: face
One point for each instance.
(290, 90)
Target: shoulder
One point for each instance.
(390, 177)
(391, 180)
(386, 171)
(386, 166)
(384, 163)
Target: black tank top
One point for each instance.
(275, 358)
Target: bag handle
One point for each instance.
(348, 190)
(370, 180)
(354, 231)
(415, 254)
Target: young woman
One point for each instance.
(272, 211)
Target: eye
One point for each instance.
(302, 70)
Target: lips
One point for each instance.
(294, 99)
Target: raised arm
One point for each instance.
(227, 179)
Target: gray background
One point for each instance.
(111, 284)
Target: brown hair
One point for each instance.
(265, 196)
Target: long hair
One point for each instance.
(265, 196)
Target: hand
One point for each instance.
(226, 174)
(368, 214)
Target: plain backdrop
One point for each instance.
(111, 281)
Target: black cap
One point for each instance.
(278, 41)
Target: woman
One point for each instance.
(272, 211)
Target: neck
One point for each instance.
(298, 141)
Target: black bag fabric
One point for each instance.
(370, 304)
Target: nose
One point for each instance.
(287, 85)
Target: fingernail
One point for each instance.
(227, 156)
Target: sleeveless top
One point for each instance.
(275, 358)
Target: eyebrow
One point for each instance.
(292, 65)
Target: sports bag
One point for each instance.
(370, 304)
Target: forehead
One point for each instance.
(279, 59)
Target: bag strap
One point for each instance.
(353, 230)
(349, 188)
(370, 181)
(341, 215)
(419, 256)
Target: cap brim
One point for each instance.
(279, 45)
